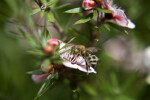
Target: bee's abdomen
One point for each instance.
(93, 60)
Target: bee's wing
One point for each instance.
(93, 49)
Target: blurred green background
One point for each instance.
(110, 82)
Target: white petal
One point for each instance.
(61, 44)
(131, 24)
(68, 64)
(108, 4)
(91, 70)
(81, 68)
(120, 17)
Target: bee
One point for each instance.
(87, 54)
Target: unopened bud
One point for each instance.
(88, 4)
(53, 41)
(50, 68)
(47, 69)
(48, 49)
(98, 1)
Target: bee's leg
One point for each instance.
(87, 68)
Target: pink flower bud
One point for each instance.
(46, 69)
(39, 78)
(48, 49)
(98, 1)
(53, 41)
(88, 4)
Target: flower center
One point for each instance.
(108, 16)
(73, 59)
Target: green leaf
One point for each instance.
(35, 72)
(46, 63)
(36, 52)
(123, 97)
(52, 2)
(42, 14)
(35, 11)
(58, 54)
(43, 1)
(83, 20)
(62, 6)
(107, 27)
(48, 35)
(44, 41)
(114, 80)
(120, 28)
(95, 15)
(105, 85)
(89, 89)
(75, 10)
(39, 34)
(67, 43)
(104, 10)
(50, 17)
(129, 81)
(48, 83)
(32, 41)
(28, 37)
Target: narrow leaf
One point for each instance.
(48, 83)
(104, 10)
(114, 80)
(75, 10)
(42, 13)
(32, 41)
(107, 27)
(95, 15)
(83, 20)
(48, 35)
(50, 17)
(90, 90)
(129, 81)
(52, 2)
(35, 72)
(28, 37)
(36, 52)
(62, 6)
(35, 11)
(46, 64)
(68, 43)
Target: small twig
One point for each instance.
(55, 25)
(43, 25)
(58, 30)
(38, 3)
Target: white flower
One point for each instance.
(72, 61)
(117, 14)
